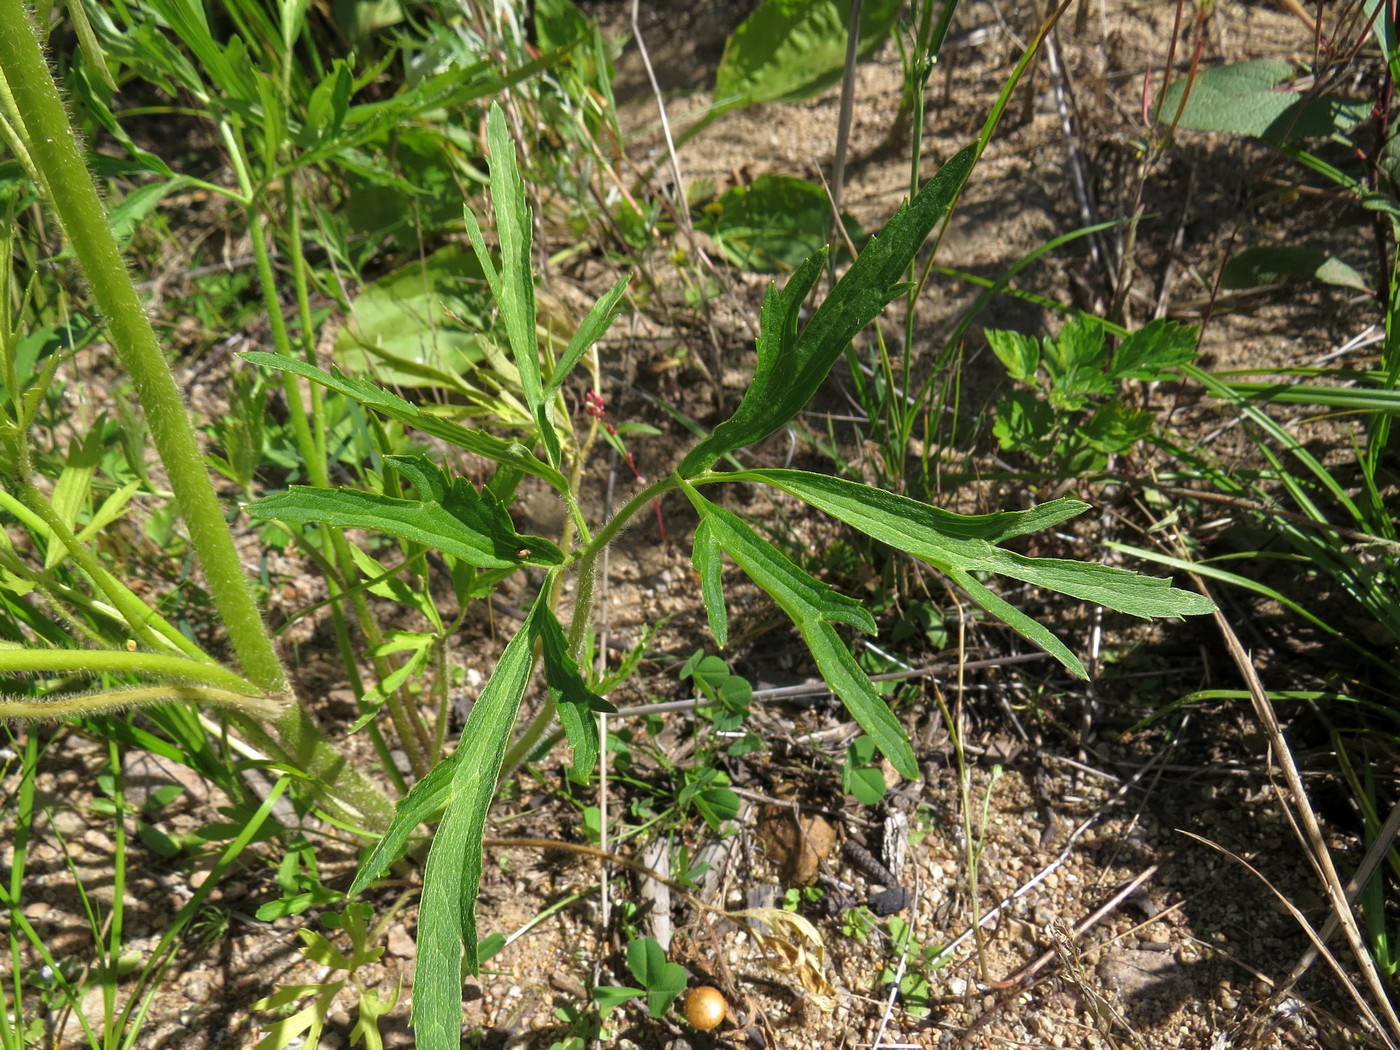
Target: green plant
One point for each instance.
(732, 694)
(859, 775)
(915, 963)
(277, 124)
(858, 923)
(471, 526)
(795, 898)
(1072, 410)
(305, 1025)
(661, 981)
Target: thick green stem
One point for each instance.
(74, 199)
(43, 124)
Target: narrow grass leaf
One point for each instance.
(465, 527)
(791, 366)
(1351, 398)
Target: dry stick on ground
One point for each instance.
(604, 873)
(898, 978)
(1311, 837)
(1060, 859)
(1063, 95)
(1379, 848)
(1086, 924)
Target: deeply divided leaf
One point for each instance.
(959, 545)
(813, 606)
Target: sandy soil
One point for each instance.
(1070, 803)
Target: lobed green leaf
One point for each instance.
(959, 545)
(812, 605)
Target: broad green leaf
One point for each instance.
(1081, 344)
(330, 101)
(791, 366)
(774, 224)
(429, 480)
(1153, 350)
(663, 980)
(1269, 264)
(862, 780)
(419, 325)
(610, 997)
(558, 23)
(717, 805)
(452, 878)
(1075, 363)
(508, 453)
(1244, 99)
(812, 604)
(793, 49)
(513, 286)
(1115, 427)
(1019, 353)
(1025, 422)
(959, 545)
(466, 526)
